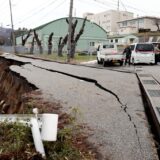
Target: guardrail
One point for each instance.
(46, 122)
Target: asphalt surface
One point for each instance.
(109, 103)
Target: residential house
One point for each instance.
(139, 24)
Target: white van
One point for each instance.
(110, 53)
(142, 53)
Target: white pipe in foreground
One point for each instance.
(49, 127)
(37, 137)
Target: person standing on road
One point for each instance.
(127, 52)
(157, 53)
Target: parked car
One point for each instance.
(110, 53)
(142, 53)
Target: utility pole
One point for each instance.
(13, 35)
(118, 5)
(69, 31)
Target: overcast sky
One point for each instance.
(33, 13)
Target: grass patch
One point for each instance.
(78, 57)
(16, 142)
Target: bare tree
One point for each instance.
(73, 28)
(24, 40)
(61, 44)
(75, 38)
(32, 46)
(38, 42)
(2, 40)
(157, 23)
(50, 43)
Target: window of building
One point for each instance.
(92, 43)
(116, 40)
(111, 40)
(141, 21)
(132, 23)
(131, 40)
(108, 27)
(124, 24)
(132, 47)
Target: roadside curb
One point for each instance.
(151, 89)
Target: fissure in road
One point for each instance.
(123, 106)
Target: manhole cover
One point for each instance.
(149, 82)
(154, 93)
(145, 75)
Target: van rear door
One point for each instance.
(145, 48)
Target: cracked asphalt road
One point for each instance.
(120, 130)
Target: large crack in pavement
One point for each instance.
(123, 106)
(88, 66)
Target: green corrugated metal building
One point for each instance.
(92, 35)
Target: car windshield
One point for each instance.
(120, 48)
(144, 47)
(108, 46)
(132, 47)
(155, 43)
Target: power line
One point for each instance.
(128, 5)
(36, 12)
(101, 5)
(52, 10)
(111, 4)
(123, 5)
(33, 10)
(3, 3)
(3, 6)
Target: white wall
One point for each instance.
(108, 19)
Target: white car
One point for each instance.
(142, 53)
(110, 53)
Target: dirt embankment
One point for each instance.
(12, 88)
(17, 95)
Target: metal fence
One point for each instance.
(18, 49)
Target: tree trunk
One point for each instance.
(40, 49)
(32, 46)
(61, 44)
(73, 49)
(24, 40)
(50, 43)
(75, 38)
(49, 49)
(60, 48)
(31, 49)
(38, 42)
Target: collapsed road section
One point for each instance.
(12, 88)
(16, 141)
